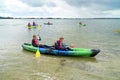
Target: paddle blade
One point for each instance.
(38, 27)
(37, 53)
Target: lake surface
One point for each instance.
(18, 64)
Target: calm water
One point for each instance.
(18, 64)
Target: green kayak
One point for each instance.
(72, 52)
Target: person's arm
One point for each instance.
(64, 45)
(39, 38)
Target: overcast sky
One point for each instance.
(61, 8)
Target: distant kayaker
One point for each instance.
(34, 24)
(48, 22)
(80, 23)
(59, 44)
(29, 25)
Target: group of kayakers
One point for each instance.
(33, 24)
(48, 23)
(57, 45)
(29, 25)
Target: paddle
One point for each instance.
(72, 46)
(38, 27)
(118, 31)
(38, 51)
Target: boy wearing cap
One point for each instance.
(59, 44)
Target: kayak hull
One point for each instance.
(72, 52)
(32, 27)
(48, 23)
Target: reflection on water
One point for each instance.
(16, 63)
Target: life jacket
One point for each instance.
(29, 25)
(58, 44)
(35, 42)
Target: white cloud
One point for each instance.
(62, 9)
(15, 6)
(114, 13)
(39, 3)
(59, 8)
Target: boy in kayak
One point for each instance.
(34, 24)
(29, 25)
(59, 44)
(35, 41)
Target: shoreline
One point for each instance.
(53, 18)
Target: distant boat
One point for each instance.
(48, 23)
(81, 24)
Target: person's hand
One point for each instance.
(38, 35)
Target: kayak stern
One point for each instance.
(94, 52)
